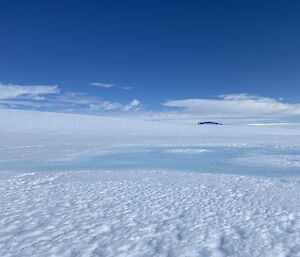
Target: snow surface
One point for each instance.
(37, 135)
(151, 213)
(187, 150)
(140, 213)
(283, 161)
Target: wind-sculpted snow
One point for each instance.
(148, 213)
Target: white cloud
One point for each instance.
(47, 97)
(235, 105)
(134, 104)
(126, 88)
(114, 106)
(12, 91)
(44, 97)
(77, 98)
(109, 106)
(108, 85)
(102, 85)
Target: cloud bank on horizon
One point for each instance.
(236, 105)
(53, 98)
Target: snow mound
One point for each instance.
(139, 214)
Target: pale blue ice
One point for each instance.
(203, 160)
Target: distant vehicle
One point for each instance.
(209, 123)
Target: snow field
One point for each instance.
(143, 213)
(148, 213)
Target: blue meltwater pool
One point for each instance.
(232, 160)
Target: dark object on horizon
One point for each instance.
(209, 123)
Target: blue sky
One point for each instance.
(148, 55)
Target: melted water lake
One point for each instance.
(245, 161)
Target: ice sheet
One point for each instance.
(141, 213)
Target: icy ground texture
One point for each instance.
(272, 160)
(115, 214)
(28, 135)
(141, 214)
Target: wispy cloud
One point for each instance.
(101, 85)
(52, 98)
(47, 97)
(134, 105)
(11, 91)
(108, 85)
(235, 105)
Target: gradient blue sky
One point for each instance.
(162, 50)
